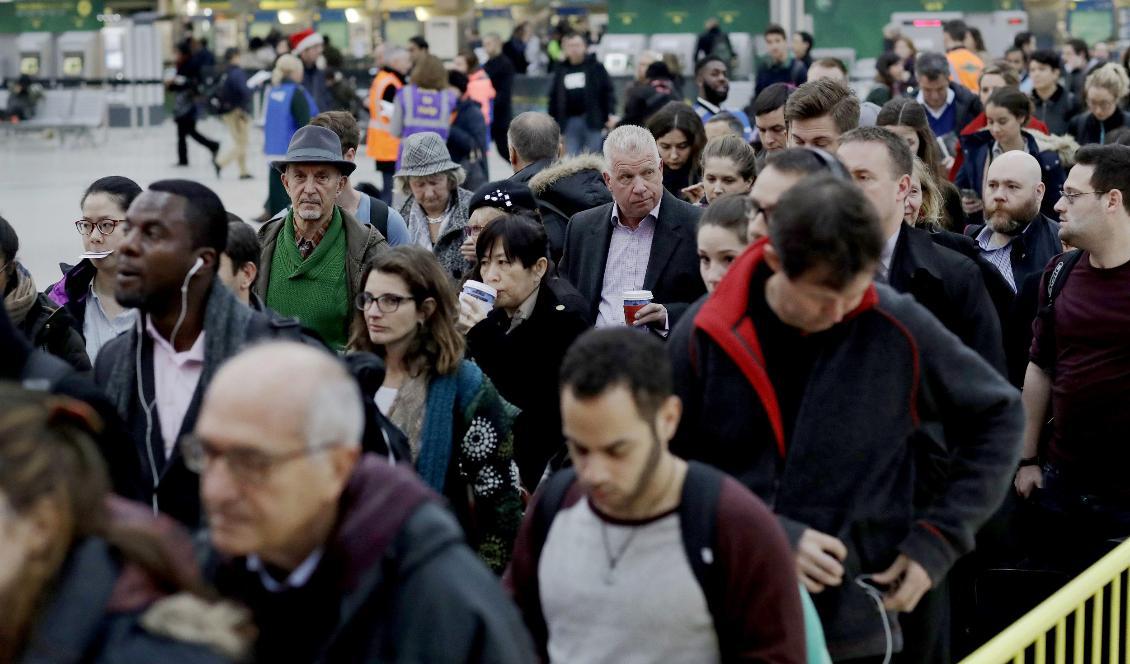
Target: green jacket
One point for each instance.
(362, 244)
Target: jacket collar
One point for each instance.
(724, 317)
(914, 253)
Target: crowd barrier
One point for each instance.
(1085, 621)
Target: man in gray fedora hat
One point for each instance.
(317, 251)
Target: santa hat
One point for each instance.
(300, 41)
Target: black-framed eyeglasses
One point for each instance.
(757, 208)
(246, 466)
(104, 226)
(1071, 197)
(386, 303)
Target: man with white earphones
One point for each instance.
(189, 324)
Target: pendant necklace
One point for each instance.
(614, 560)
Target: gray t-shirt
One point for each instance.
(648, 608)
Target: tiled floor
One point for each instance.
(41, 182)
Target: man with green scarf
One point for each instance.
(314, 255)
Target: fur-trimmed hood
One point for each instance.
(1064, 146)
(573, 184)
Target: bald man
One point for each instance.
(339, 556)
(1017, 239)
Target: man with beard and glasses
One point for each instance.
(711, 77)
(316, 252)
(636, 554)
(1079, 366)
(188, 325)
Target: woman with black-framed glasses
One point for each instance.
(42, 322)
(86, 290)
(459, 428)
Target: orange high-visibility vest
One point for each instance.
(965, 68)
(380, 144)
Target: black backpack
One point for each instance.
(378, 215)
(1056, 281)
(697, 515)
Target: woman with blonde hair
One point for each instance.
(925, 205)
(459, 428)
(1105, 89)
(287, 107)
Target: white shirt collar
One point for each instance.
(708, 106)
(654, 214)
(950, 95)
(296, 579)
(888, 252)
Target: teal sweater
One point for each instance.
(313, 290)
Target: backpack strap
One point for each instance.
(550, 497)
(698, 516)
(973, 230)
(1057, 279)
(378, 215)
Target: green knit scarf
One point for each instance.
(313, 290)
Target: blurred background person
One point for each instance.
(1105, 89)
(69, 544)
(289, 106)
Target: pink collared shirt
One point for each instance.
(175, 376)
(625, 265)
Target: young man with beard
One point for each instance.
(604, 569)
(188, 325)
(711, 77)
(1079, 365)
(819, 390)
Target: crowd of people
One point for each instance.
(691, 384)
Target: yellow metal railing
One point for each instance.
(1057, 630)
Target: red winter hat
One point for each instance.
(300, 41)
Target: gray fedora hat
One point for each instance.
(424, 154)
(314, 145)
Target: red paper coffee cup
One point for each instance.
(634, 300)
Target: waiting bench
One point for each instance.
(81, 111)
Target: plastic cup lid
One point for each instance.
(480, 286)
(637, 295)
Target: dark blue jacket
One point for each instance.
(468, 131)
(234, 93)
(978, 146)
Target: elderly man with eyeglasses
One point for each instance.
(339, 556)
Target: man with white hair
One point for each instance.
(339, 556)
(643, 240)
